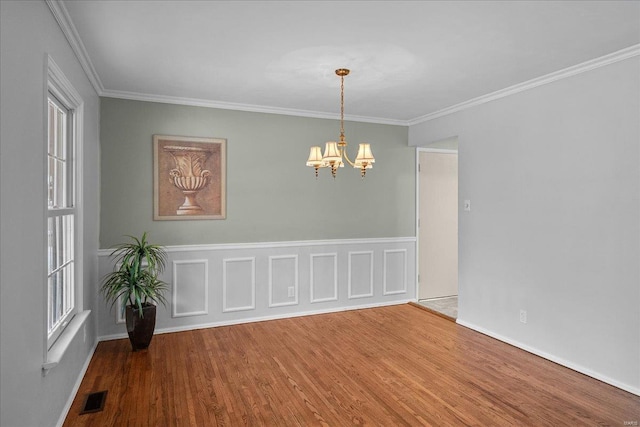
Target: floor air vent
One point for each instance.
(94, 402)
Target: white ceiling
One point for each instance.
(408, 59)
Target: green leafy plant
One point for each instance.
(135, 277)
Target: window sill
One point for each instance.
(57, 350)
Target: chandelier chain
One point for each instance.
(341, 108)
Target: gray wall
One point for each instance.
(553, 175)
(271, 195)
(28, 31)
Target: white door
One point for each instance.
(438, 232)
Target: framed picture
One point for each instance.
(189, 178)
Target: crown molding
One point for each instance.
(196, 102)
(533, 83)
(61, 15)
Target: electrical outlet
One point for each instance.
(291, 292)
(523, 316)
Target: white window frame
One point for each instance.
(60, 89)
(60, 124)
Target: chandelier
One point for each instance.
(335, 152)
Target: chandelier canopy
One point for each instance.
(335, 152)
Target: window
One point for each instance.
(64, 216)
(61, 219)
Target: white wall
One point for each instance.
(28, 31)
(553, 175)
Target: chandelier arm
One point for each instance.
(344, 153)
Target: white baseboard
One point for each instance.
(552, 358)
(260, 319)
(76, 387)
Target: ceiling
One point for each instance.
(407, 59)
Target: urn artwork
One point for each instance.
(189, 178)
(189, 175)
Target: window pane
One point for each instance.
(60, 184)
(56, 183)
(52, 134)
(61, 125)
(56, 284)
(51, 294)
(67, 233)
(49, 314)
(59, 174)
(53, 298)
(59, 242)
(60, 269)
(59, 294)
(71, 234)
(50, 182)
(51, 245)
(68, 288)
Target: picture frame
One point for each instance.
(189, 178)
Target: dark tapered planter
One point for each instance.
(140, 329)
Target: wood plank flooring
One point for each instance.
(387, 366)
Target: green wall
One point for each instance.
(271, 195)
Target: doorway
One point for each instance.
(438, 230)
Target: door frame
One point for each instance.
(417, 203)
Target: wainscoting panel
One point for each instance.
(395, 271)
(238, 284)
(324, 277)
(360, 274)
(283, 280)
(120, 316)
(225, 284)
(190, 288)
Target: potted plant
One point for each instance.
(135, 280)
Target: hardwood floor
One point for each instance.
(396, 365)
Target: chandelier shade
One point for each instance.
(331, 152)
(315, 157)
(335, 153)
(364, 157)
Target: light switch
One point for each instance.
(467, 205)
